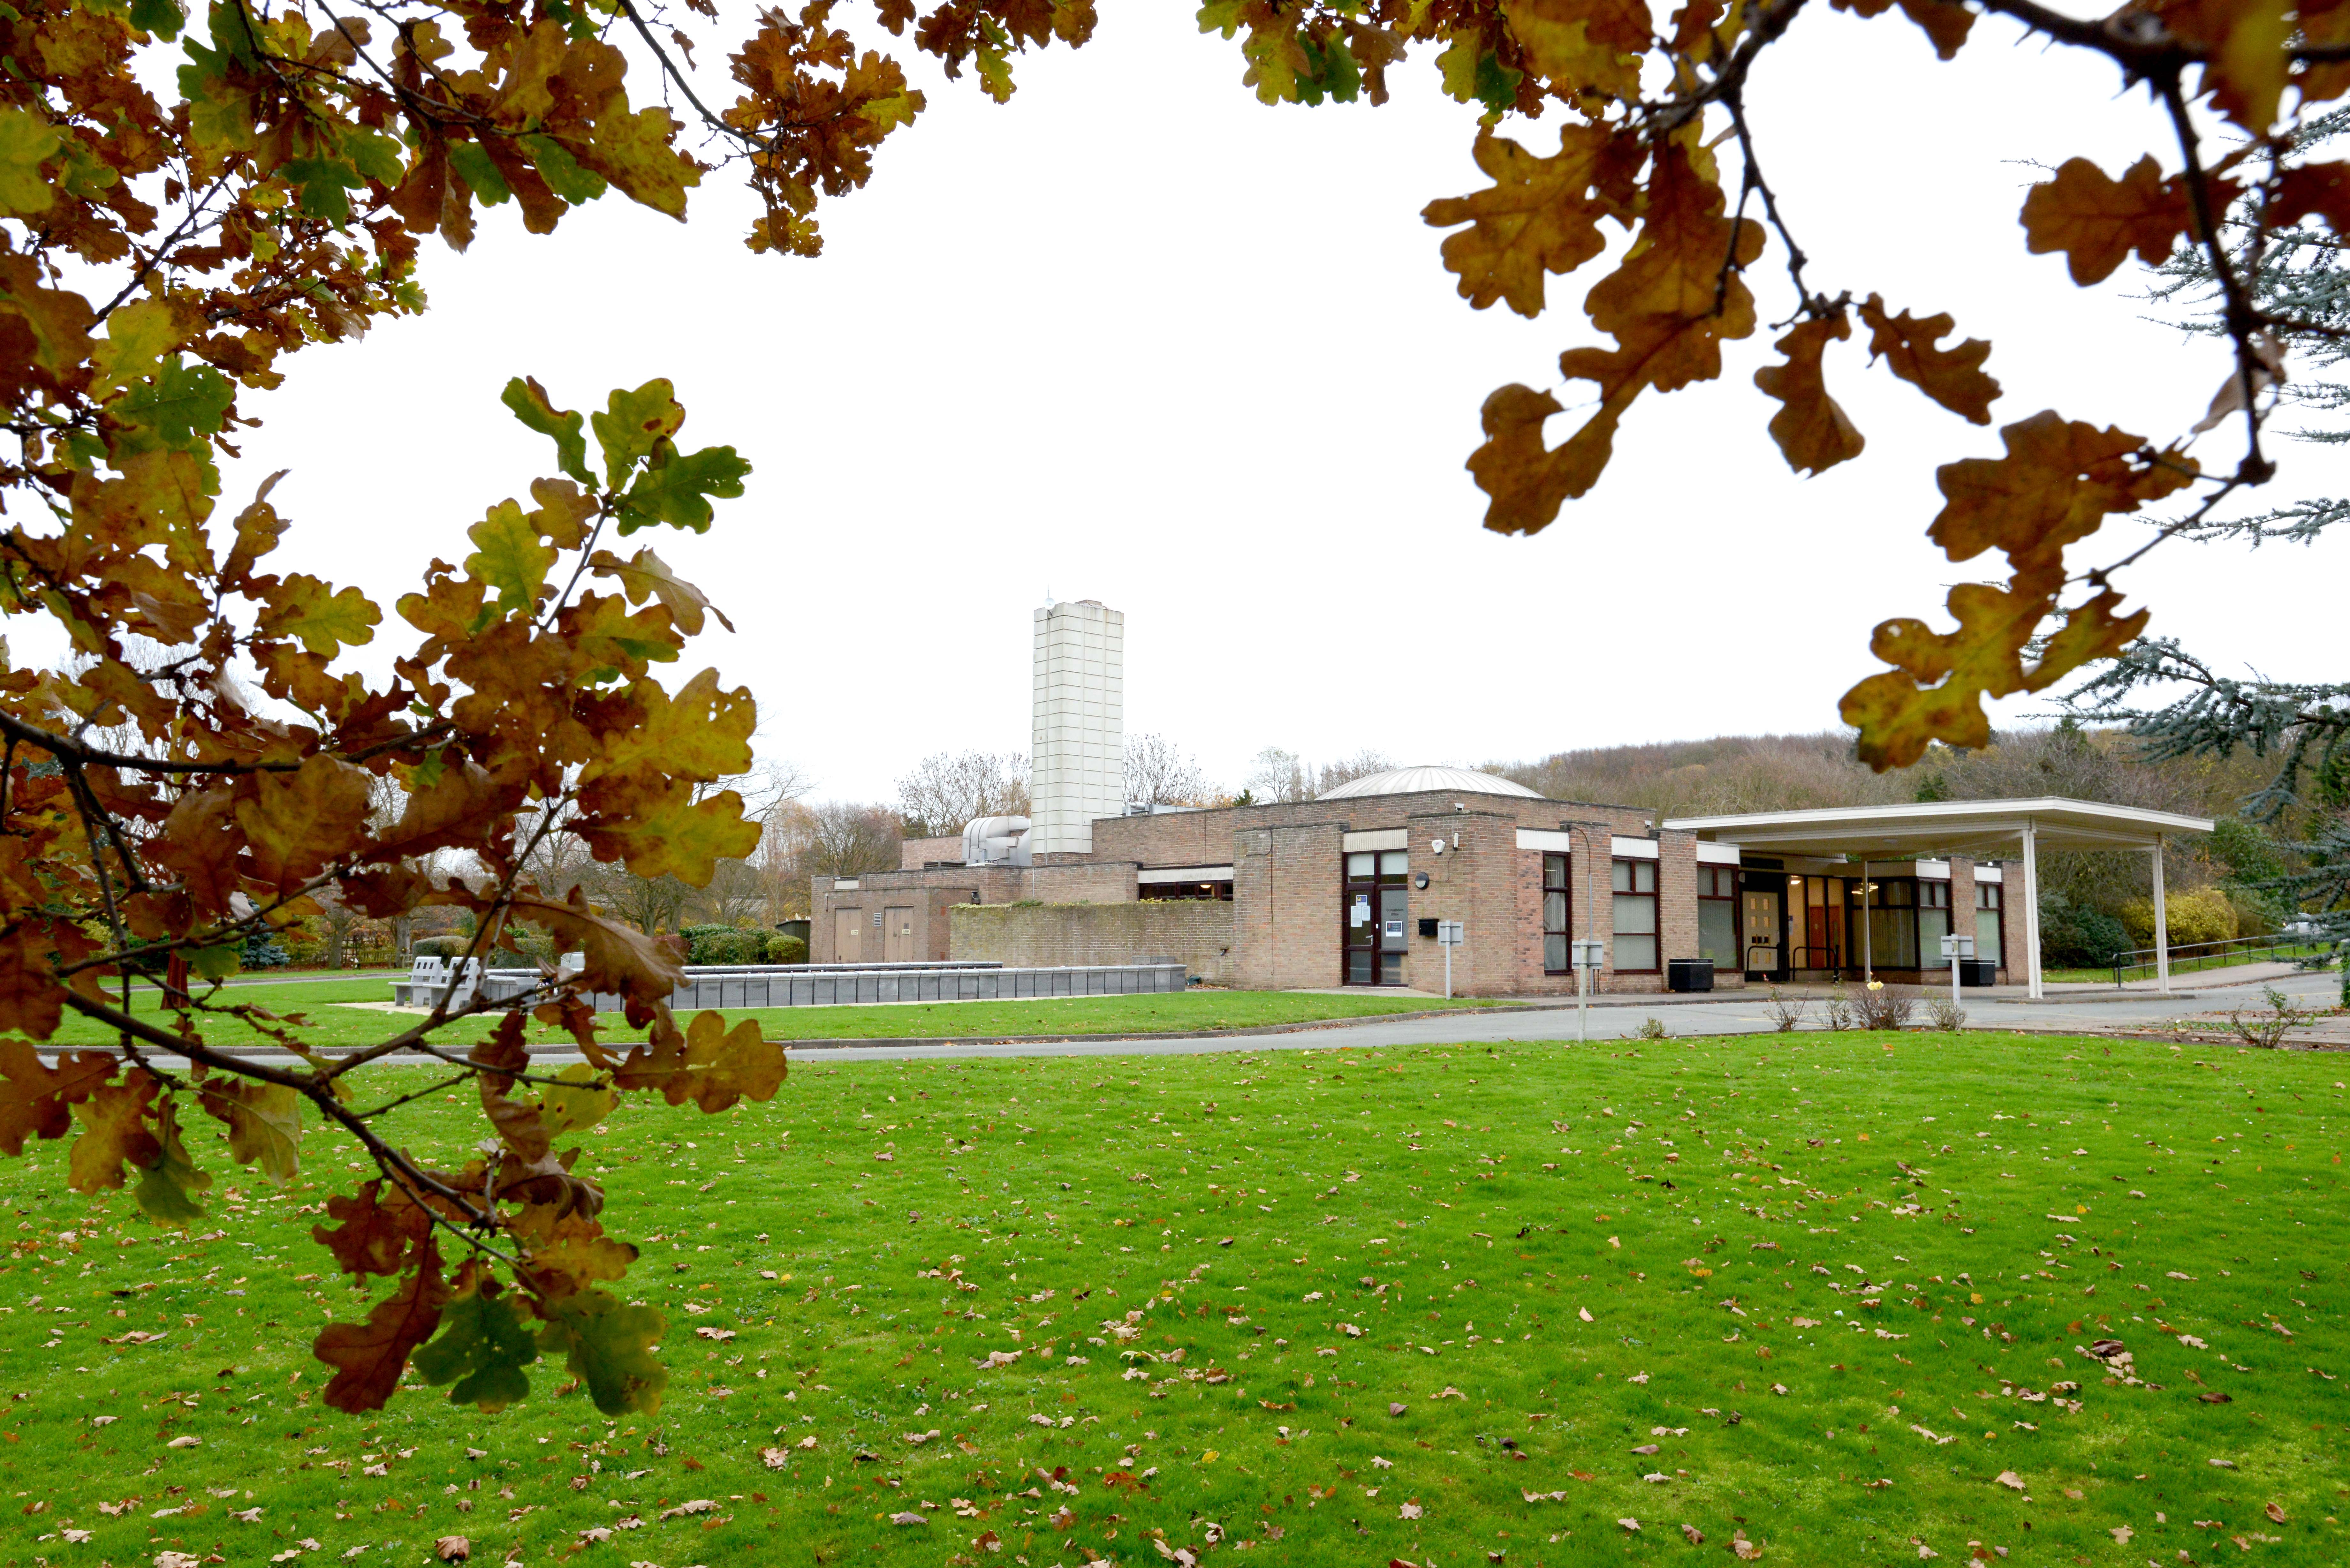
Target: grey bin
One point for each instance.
(1689, 975)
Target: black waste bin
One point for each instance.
(1689, 975)
(1978, 971)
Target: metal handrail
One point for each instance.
(2199, 955)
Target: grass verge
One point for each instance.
(329, 1023)
(1834, 1293)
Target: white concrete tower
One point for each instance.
(1078, 750)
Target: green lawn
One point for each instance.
(329, 1023)
(1447, 1305)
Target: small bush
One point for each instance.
(1838, 1008)
(262, 952)
(783, 947)
(447, 947)
(1883, 1006)
(1651, 1029)
(1787, 1012)
(1947, 1015)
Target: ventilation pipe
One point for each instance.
(996, 841)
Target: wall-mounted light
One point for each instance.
(1794, 881)
(1420, 879)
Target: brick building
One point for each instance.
(1348, 890)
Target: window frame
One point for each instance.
(1712, 875)
(1655, 933)
(1564, 888)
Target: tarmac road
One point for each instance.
(1618, 1018)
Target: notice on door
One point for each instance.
(1360, 915)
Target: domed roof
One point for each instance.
(1429, 781)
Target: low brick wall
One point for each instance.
(1196, 933)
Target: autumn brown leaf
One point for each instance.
(1669, 305)
(295, 822)
(2058, 482)
(2097, 221)
(1541, 214)
(713, 1065)
(36, 1100)
(369, 1357)
(371, 1236)
(619, 958)
(265, 1123)
(1811, 430)
(114, 1132)
(1953, 377)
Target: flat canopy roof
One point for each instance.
(1956, 827)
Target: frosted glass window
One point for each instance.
(1634, 886)
(1717, 932)
(1361, 864)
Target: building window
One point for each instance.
(1717, 916)
(1221, 891)
(1558, 957)
(1636, 916)
(1986, 899)
(1376, 919)
(1933, 923)
(1892, 924)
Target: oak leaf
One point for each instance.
(1583, 45)
(1813, 432)
(713, 1065)
(315, 614)
(2097, 221)
(369, 1357)
(1953, 377)
(36, 1100)
(168, 1184)
(510, 557)
(372, 1237)
(620, 959)
(114, 1132)
(609, 1348)
(32, 997)
(265, 1123)
(657, 826)
(1669, 305)
(1541, 214)
(645, 575)
(481, 1347)
(295, 822)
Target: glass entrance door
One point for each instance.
(1761, 908)
(1375, 917)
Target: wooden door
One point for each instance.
(847, 936)
(897, 935)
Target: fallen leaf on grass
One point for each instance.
(721, 1334)
(1631, 1525)
(2121, 1535)
(2276, 1515)
(908, 1518)
(1409, 1511)
(2009, 1480)
(774, 1458)
(1585, 1314)
(1696, 1536)
(698, 1505)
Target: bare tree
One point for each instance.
(945, 791)
(850, 840)
(1279, 775)
(1159, 773)
(1361, 765)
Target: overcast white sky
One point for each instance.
(1137, 338)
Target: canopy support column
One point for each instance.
(1868, 965)
(2161, 925)
(2031, 909)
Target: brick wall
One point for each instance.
(1087, 882)
(1285, 896)
(1676, 898)
(1198, 933)
(927, 895)
(1205, 837)
(913, 854)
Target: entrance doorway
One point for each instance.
(1763, 912)
(897, 935)
(1375, 917)
(849, 936)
